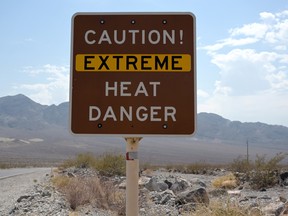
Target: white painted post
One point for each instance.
(132, 176)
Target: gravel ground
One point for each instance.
(15, 182)
(38, 197)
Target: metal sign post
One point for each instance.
(133, 75)
(132, 175)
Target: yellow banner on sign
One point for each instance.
(133, 63)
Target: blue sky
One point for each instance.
(242, 51)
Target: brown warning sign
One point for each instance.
(133, 74)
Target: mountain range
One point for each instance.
(31, 132)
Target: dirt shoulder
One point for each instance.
(15, 182)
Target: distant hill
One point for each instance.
(21, 112)
(212, 126)
(23, 119)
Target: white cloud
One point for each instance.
(267, 16)
(221, 89)
(264, 107)
(278, 80)
(246, 71)
(271, 29)
(278, 34)
(54, 89)
(201, 93)
(253, 71)
(232, 42)
(257, 30)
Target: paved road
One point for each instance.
(15, 182)
(8, 173)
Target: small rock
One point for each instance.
(234, 192)
(218, 192)
(168, 183)
(282, 199)
(71, 175)
(273, 208)
(180, 185)
(122, 185)
(197, 181)
(193, 196)
(23, 197)
(155, 185)
(143, 180)
(166, 196)
(46, 193)
(283, 177)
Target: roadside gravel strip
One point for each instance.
(15, 182)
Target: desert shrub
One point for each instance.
(4, 166)
(241, 165)
(82, 191)
(227, 181)
(196, 168)
(108, 164)
(217, 208)
(15, 164)
(66, 164)
(90, 190)
(83, 160)
(261, 172)
(60, 181)
(265, 172)
(111, 164)
(193, 168)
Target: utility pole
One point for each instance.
(247, 154)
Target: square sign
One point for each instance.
(133, 74)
